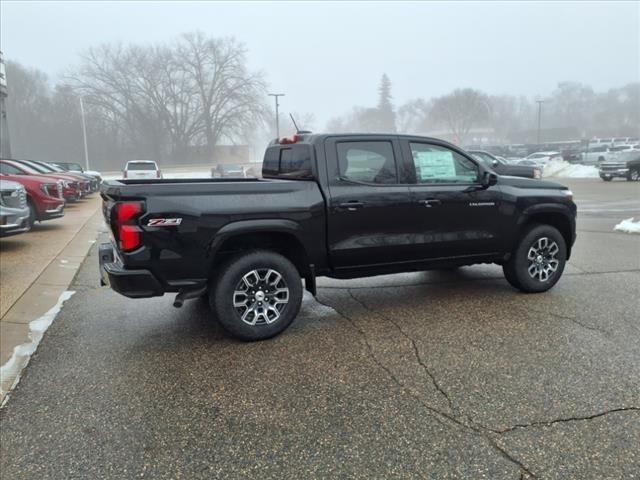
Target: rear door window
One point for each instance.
(367, 162)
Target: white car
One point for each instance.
(544, 157)
(141, 169)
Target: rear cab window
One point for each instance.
(288, 161)
(141, 166)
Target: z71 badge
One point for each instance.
(164, 222)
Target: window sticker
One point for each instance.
(434, 164)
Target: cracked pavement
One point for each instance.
(422, 375)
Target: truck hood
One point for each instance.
(521, 182)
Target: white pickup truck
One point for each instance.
(595, 155)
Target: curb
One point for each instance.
(40, 297)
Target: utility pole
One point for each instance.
(276, 95)
(84, 134)
(539, 102)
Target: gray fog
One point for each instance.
(426, 49)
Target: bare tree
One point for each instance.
(413, 116)
(230, 98)
(460, 111)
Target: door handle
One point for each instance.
(430, 202)
(352, 205)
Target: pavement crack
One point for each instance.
(563, 420)
(439, 416)
(571, 319)
(416, 351)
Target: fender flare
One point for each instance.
(242, 227)
(544, 208)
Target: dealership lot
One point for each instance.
(434, 375)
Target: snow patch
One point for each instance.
(561, 168)
(628, 226)
(22, 353)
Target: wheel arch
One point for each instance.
(558, 216)
(279, 235)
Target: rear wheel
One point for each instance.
(538, 260)
(606, 179)
(256, 295)
(634, 175)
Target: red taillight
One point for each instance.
(124, 174)
(125, 229)
(289, 140)
(158, 174)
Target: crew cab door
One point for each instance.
(368, 222)
(453, 216)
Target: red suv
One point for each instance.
(70, 186)
(44, 195)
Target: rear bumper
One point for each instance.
(130, 283)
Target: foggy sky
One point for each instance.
(328, 57)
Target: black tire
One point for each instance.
(517, 269)
(33, 214)
(634, 175)
(230, 280)
(606, 179)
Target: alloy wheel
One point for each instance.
(261, 296)
(543, 261)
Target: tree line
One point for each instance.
(176, 102)
(466, 114)
(173, 103)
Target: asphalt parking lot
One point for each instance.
(425, 375)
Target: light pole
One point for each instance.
(276, 95)
(539, 102)
(84, 134)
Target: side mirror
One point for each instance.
(495, 163)
(489, 179)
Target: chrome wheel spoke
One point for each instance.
(261, 296)
(542, 259)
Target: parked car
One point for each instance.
(342, 206)
(44, 194)
(544, 157)
(139, 169)
(84, 181)
(228, 170)
(14, 213)
(502, 167)
(88, 184)
(530, 163)
(76, 167)
(70, 186)
(595, 155)
(626, 164)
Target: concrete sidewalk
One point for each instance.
(37, 267)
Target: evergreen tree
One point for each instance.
(386, 114)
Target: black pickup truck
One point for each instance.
(341, 206)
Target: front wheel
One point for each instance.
(538, 260)
(33, 216)
(634, 175)
(256, 295)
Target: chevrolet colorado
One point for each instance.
(342, 206)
